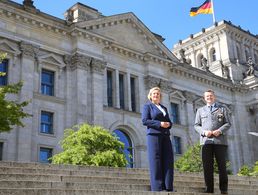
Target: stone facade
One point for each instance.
(88, 53)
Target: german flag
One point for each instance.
(205, 8)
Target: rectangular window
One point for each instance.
(121, 91)
(109, 88)
(46, 125)
(1, 150)
(4, 69)
(47, 82)
(177, 145)
(175, 113)
(45, 154)
(133, 94)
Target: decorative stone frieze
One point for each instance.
(164, 85)
(28, 50)
(78, 61)
(98, 65)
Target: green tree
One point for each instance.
(90, 145)
(11, 111)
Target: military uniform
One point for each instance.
(210, 119)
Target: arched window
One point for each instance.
(213, 55)
(128, 150)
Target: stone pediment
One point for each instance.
(7, 46)
(177, 95)
(128, 31)
(52, 59)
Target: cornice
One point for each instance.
(210, 79)
(203, 39)
(34, 20)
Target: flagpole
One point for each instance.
(213, 12)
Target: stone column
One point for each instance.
(24, 134)
(117, 95)
(97, 69)
(77, 89)
(235, 149)
(190, 117)
(129, 102)
(104, 84)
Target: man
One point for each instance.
(212, 123)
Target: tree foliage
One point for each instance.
(246, 170)
(90, 145)
(11, 111)
(191, 161)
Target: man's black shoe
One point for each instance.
(224, 192)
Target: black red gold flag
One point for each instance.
(205, 8)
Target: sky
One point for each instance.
(168, 18)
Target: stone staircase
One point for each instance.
(45, 179)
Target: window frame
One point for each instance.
(177, 114)
(4, 79)
(49, 156)
(122, 91)
(110, 88)
(177, 144)
(1, 150)
(51, 132)
(133, 93)
(49, 85)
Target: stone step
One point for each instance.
(37, 179)
(104, 173)
(74, 185)
(35, 165)
(28, 191)
(197, 181)
(190, 181)
(111, 184)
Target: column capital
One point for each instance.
(164, 85)
(28, 50)
(77, 61)
(98, 65)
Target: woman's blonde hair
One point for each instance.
(151, 91)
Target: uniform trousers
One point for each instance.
(209, 151)
(161, 162)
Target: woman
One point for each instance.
(161, 160)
